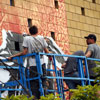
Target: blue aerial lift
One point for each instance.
(25, 81)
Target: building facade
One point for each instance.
(83, 18)
(48, 15)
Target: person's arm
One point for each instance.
(88, 54)
(46, 50)
(24, 52)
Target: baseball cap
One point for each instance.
(91, 36)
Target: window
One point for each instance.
(56, 4)
(12, 3)
(82, 11)
(93, 1)
(17, 48)
(53, 35)
(29, 22)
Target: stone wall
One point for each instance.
(83, 18)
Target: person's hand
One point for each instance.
(63, 65)
(9, 58)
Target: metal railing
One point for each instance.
(57, 74)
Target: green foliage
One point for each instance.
(50, 97)
(86, 93)
(97, 72)
(18, 97)
(25, 97)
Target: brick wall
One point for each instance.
(42, 13)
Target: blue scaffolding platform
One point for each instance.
(25, 81)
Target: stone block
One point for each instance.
(94, 21)
(86, 27)
(25, 22)
(73, 24)
(88, 20)
(75, 40)
(68, 23)
(79, 25)
(70, 39)
(86, 4)
(92, 6)
(26, 4)
(67, 7)
(81, 3)
(96, 14)
(98, 21)
(77, 33)
(72, 47)
(51, 28)
(97, 7)
(5, 25)
(46, 18)
(82, 19)
(86, 12)
(82, 41)
(91, 14)
(21, 21)
(18, 3)
(74, 2)
(76, 17)
(84, 33)
(97, 29)
(89, 0)
(69, 15)
(72, 8)
(67, 1)
(71, 31)
(92, 28)
(79, 47)
(78, 10)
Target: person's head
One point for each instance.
(90, 39)
(33, 30)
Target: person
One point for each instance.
(70, 66)
(93, 51)
(33, 43)
(71, 70)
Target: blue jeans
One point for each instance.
(72, 84)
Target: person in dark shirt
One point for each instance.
(71, 69)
